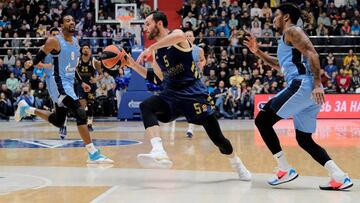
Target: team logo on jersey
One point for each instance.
(72, 55)
(204, 107)
(69, 69)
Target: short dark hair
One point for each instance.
(291, 9)
(53, 29)
(159, 16)
(63, 17)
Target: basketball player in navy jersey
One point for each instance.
(200, 62)
(302, 99)
(90, 72)
(183, 94)
(65, 50)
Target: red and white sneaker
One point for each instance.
(340, 183)
(283, 176)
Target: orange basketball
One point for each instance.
(113, 57)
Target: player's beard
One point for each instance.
(154, 33)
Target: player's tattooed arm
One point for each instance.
(298, 39)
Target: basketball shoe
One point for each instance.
(20, 111)
(340, 182)
(155, 159)
(283, 176)
(98, 158)
(240, 168)
(63, 132)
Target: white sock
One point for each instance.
(333, 169)
(235, 160)
(91, 148)
(281, 160)
(191, 128)
(30, 111)
(90, 120)
(157, 144)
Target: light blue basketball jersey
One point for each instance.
(50, 80)
(295, 100)
(196, 57)
(65, 65)
(291, 61)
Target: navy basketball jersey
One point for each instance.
(177, 66)
(291, 61)
(86, 69)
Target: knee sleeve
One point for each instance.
(80, 115)
(77, 110)
(264, 121)
(306, 142)
(149, 117)
(213, 130)
(57, 120)
(154, 109)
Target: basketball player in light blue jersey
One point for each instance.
(200, 62)
(50, 81)
(65, 51)
(302, 99)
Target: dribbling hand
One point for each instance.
(318, 95)
(86, 87)
(144, 56)
(130, 61)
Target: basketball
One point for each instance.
(113, 57)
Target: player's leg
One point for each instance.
(212, 127)
(63, 129)
(305, 125)
(152, 110)
(90, 114)
(190, 130)
(265, 121)
(81, 119)
(24, 109)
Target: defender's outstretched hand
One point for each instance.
(251, 43)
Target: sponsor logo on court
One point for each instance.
(55, 143)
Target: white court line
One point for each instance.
(105, 194)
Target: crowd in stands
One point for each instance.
(234, 76)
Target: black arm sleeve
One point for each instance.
(152, 77)
(39, 57)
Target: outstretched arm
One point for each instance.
(177, 37)
(301, 42)
(153, 74)
(251, 43)
(97, 65)
(51, 44)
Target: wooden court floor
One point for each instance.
(35, 166)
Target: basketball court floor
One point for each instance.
(35, 166)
